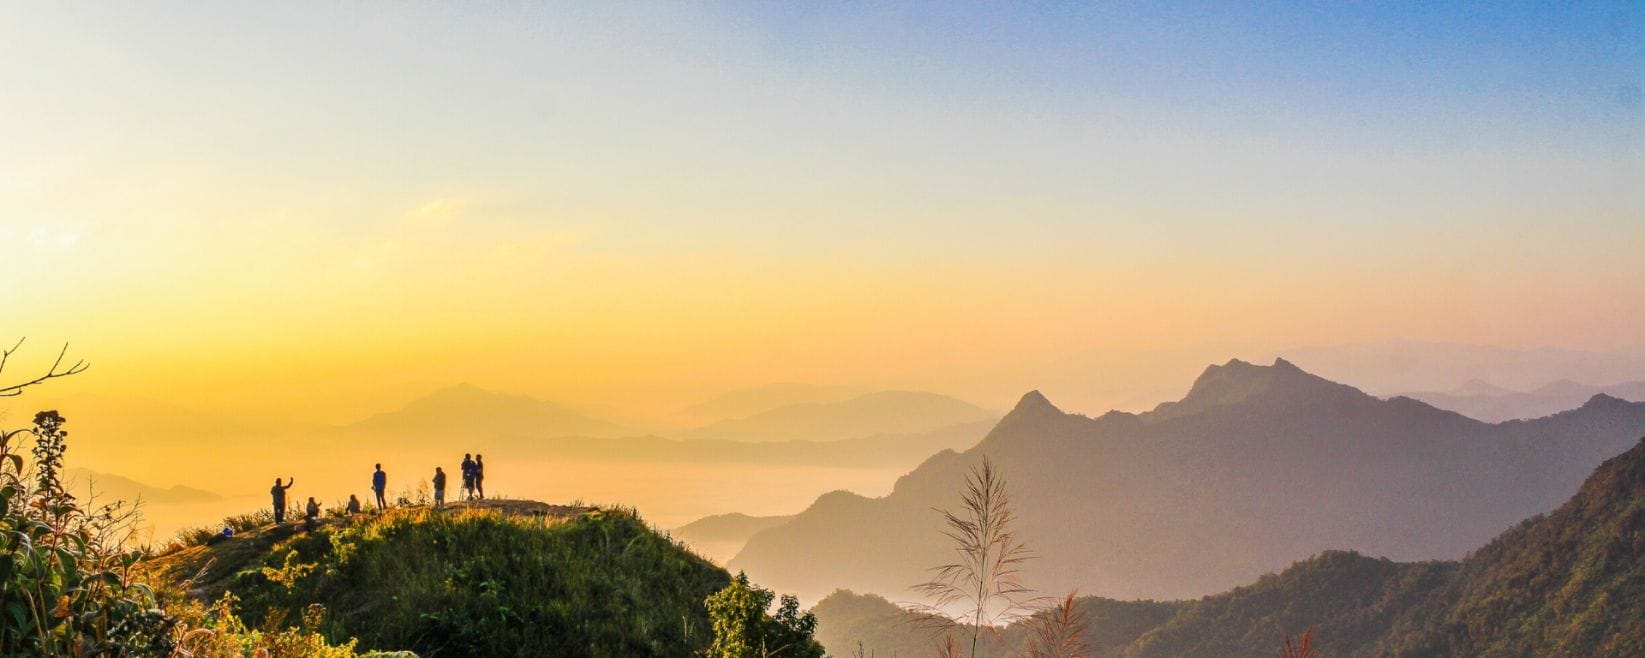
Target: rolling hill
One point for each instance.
(1490, 403)
(466, 410)
(1255, 467)
(104, 486)
(720, 536)
(516, 579)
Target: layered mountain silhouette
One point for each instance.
(1567, 584)
(466, 410)
(722, 535)
(91, 485)
(1491, 403)
(1257, 466)
(900, 451)
(746, 402)
(882, 412)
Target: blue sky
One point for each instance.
(790, 184)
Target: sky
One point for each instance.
(311, 210)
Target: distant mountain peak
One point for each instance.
(1480, 387)
(1601, 401)
(1237, 381)
(1035, 402)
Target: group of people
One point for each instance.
(474, 476)
(473, 467)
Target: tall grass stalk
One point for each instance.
(985, 579)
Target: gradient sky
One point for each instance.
(278, 207)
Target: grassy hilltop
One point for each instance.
(467, 582)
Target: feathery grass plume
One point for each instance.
(1058, 632)
(1301, 646)
(985, 580)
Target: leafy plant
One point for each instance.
(66, 583)
(743, 629)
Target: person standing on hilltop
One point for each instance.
(379, 484)
(480, 475)
(279, 494)
(468, 476)
(439, 487)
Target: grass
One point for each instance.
(468, 582)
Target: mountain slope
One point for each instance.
(1492, 404)
(884, 412)
(720, 536)
(467, 410)
(1566, 584)
(1570, 583)
(104, 486)
(1256, 467)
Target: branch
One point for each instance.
(13, 390)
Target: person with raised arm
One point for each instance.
(279, 494)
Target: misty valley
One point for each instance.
(1266, 506)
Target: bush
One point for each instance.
(743, 629)
(66, 585)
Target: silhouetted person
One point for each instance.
(311, 515)
(379, 484)
(480, 475)
(353, 504)
(279, 494)
(468, 476)
(439, 487)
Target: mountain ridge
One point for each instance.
(1266, 462)
(1564, 583)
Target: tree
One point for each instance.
(985, 580)
(56, 370)
(744, 629)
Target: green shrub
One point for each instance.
(744, 629)
(66, 585)
(480, 583)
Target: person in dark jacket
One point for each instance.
(480, 475)
(279, 494)
(439, 487)
(468, 476)
(311, 515)
(379, 484)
